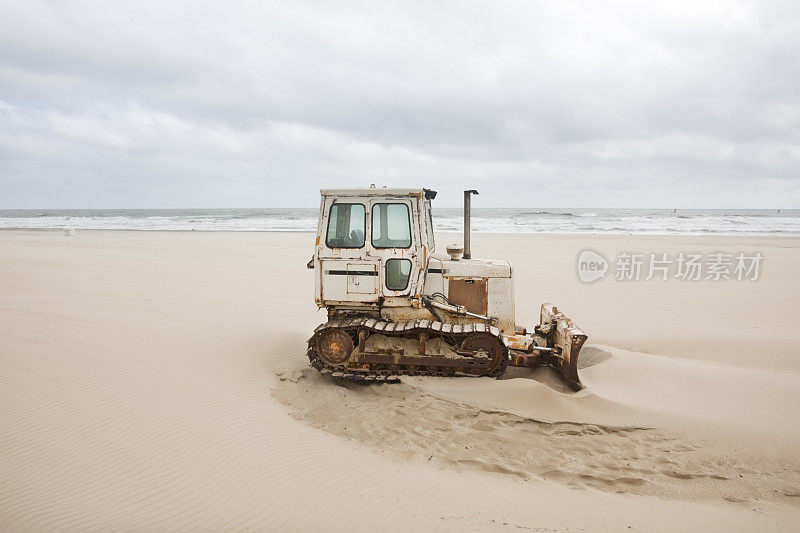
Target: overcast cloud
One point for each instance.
(247, 104)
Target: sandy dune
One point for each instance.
(158, 381)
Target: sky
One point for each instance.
(260, 104)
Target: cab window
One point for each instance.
(346, 226)
(430, 226)
(391, 226)
(397, 273)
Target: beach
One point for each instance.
(154, 380)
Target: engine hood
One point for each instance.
(470, 268)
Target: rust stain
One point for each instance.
(526, 360)
(471, 293)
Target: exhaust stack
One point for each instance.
(467, 229)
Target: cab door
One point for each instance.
(347, 271)
(394, 241)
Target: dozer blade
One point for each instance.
(567, 339)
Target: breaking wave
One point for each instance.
(555, 221)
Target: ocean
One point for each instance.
(484, 220)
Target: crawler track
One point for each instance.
(479, 347)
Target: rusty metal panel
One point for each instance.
(518, 342)
(528, 360)
(471, 293)
(501, 304)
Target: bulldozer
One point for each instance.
(397, 307)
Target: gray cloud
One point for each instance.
(685, 104)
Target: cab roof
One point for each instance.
(379, 191)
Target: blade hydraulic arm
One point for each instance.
(456, 309)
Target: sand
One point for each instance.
(158, 381)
